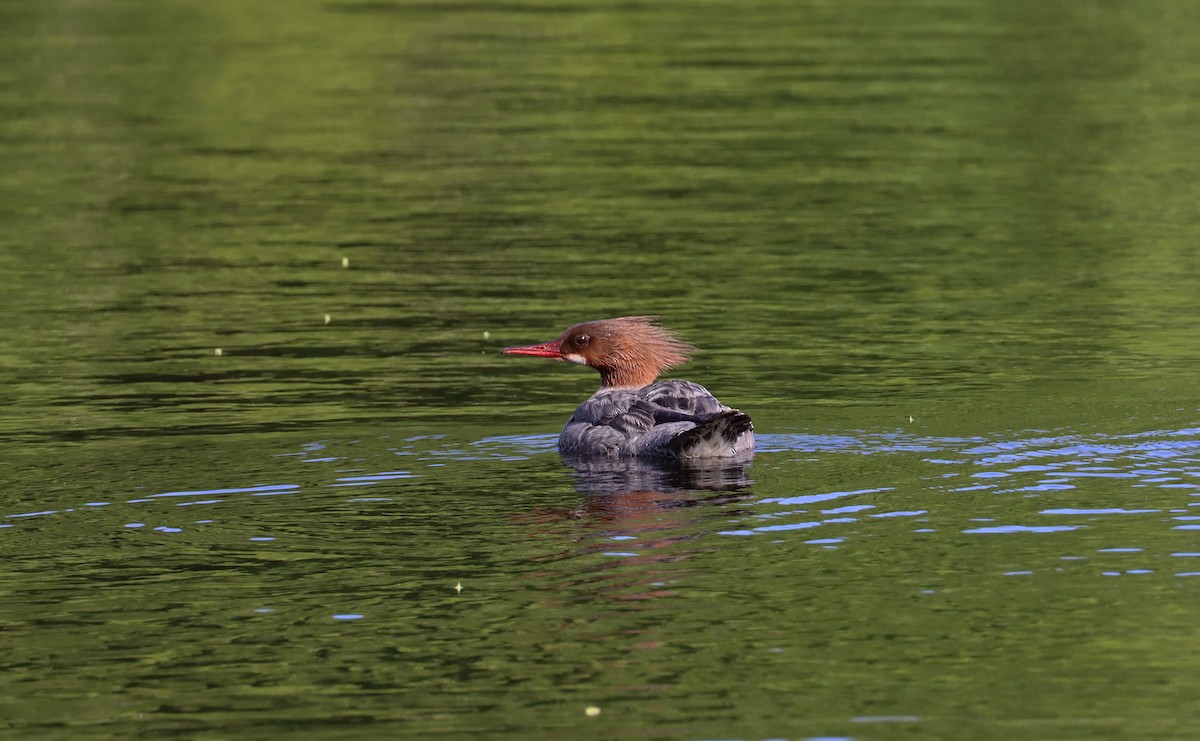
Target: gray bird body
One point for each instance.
(668, 419)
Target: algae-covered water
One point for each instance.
(266, 474)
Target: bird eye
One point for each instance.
(582, 340)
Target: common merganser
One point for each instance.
(631, 415)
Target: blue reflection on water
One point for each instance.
(847, 508)
(814, 498)
(1099, 511)
(1021, 529)
(234, 490)
(1061, 468)
(1094, 481)
(1060, 464)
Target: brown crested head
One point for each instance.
(629, 351)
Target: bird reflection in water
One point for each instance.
(617, 483)
(652, 507)
(627, 540)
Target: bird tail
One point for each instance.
(716, 437)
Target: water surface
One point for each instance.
(266, 472)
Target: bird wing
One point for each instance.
(637, 421)
(682, 397)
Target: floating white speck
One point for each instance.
(345, 262)
(592, 711)
(328, 319)
(458, 587)
(486, 334)
(218, 352)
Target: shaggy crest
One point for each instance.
(628, 351)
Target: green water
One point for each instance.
(944, 253)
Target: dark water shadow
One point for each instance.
(615, 477)
(640, 515)
(634, 495)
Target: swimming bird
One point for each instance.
(633, 414)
